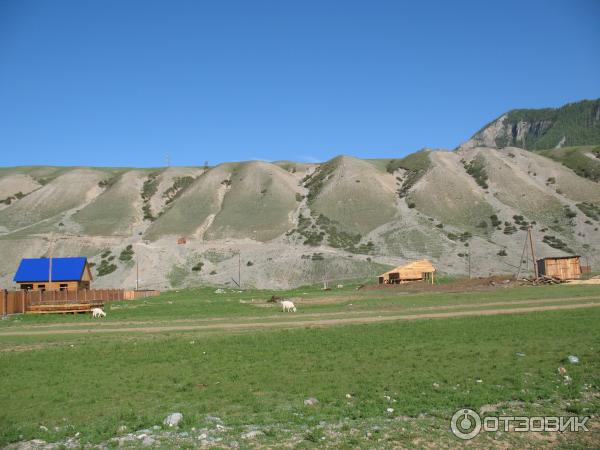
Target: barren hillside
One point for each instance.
(294, 223)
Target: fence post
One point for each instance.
(23, 301)
(4, 302)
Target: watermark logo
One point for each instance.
(466, 424)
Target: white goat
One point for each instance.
(97, 312)
(286, 305)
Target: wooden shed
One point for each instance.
(421, 270)
(53, 274)
(562, 267)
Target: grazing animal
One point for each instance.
(97, 312)
(287, 306)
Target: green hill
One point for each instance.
(573, 124)
(584, 161)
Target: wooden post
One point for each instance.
(4, 303)
(535, 268)
(23, 301)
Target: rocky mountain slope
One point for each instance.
(285, 223)
(282, 224)
(574, 124)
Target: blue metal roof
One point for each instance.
(63, 269)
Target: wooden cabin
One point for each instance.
(53, 274)
(421, 270)
(561, 267)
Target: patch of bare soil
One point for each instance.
(396, 308)
(303, 323)
(469, 285)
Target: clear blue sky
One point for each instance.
(123, 83)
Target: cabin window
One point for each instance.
(41, 287)
(64, 287)
(27, 287)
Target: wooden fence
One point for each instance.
(15, 302)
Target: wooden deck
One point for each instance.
(63, 308)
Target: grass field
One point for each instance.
(232, 363)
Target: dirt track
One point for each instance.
(280, 316)
(317, 322)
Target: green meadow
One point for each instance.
(383, 384)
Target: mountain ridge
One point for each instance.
(573, 124)
(291, 223)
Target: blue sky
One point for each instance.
(124, 83)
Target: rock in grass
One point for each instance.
(148, 441)
(252, 434)
(173, 419)
(311, 401)
(573, 359)
(214, 419)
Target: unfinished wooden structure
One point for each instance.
(421, 270)
(53, 274)
(561, 267)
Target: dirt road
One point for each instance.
(314, 322)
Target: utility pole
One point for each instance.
(137, 273)
(50, 251)
(469, 259)
(522, 255)
(535, 268)
(587, 263)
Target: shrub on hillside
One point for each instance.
(105, 268)
(495, 221)
(476, 169)
(127, 254)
